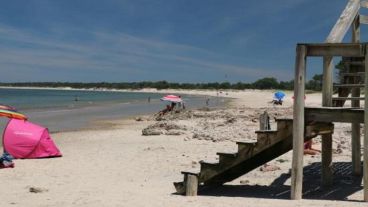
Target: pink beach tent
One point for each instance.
(25, 140)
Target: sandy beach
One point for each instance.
(117, 166)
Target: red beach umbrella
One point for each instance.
(172, 98)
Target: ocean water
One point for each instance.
(62, 110)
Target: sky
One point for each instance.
(150, 40)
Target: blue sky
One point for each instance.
(150, 40)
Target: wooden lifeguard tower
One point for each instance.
(355, 60)
(307, 122)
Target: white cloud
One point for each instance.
(106, 56)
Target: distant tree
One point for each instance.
(266, 83)
(316, 83)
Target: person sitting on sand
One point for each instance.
(276, 102)
(308, 150)
(173, 104)
(164, 111)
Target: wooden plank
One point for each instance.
(365, 159)
(335, 49)
(349, 98)
(355, 36)
(191, 185)
(298, 123)
(343, 23)
(355, 92)
(334, 114)
(357, 74)
(364, 4)
(327, 87)
(358, 63)
(349, 85)
(363, 19)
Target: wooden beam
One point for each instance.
(356, 74)
(334, 114)
(327, 91)
(355, 30)
(335, 49)
(355, 149)
(349, 85)
(327, 83)
(365, 156)
(348, 98)
(355, 92)
(298, 123)
(363, 19)
(343, 23)
(327, 171)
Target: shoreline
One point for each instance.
(85, 115)
(208, 92)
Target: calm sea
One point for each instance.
(61, 110)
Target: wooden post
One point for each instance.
(298, 123)
(355, 37)
(327, 89)
(191, 185)
(327, 138)
(365, 157)
(264, 121)
(355, 126)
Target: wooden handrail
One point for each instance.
(343, 24)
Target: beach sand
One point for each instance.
(117, 166)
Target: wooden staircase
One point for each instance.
(352, 80)
(270, 144)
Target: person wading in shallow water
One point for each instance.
(207, 101)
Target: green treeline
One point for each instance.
(264, 83)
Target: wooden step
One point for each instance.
(348, 98)
(266, 137)
(208, 165)
(225, 157)
(209, 169)
(246, 145)
(358, 74)
(284, 123)
(355, 63)
(349, 85)
(189, 173)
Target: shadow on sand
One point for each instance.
(345, 184)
